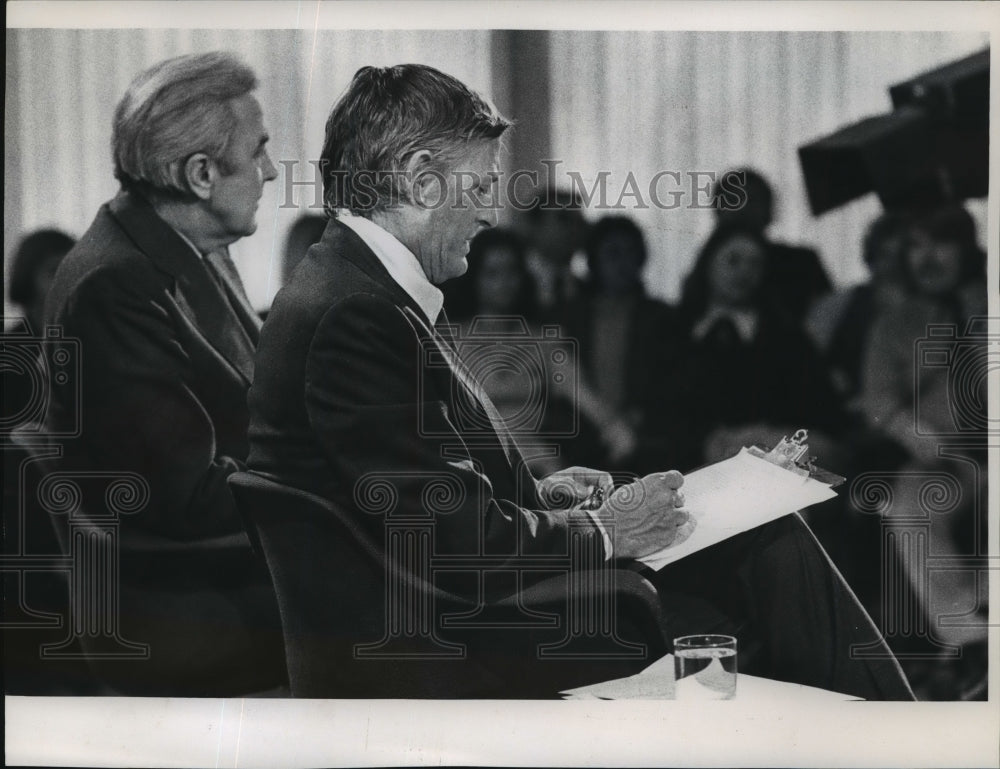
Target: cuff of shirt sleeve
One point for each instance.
(596, 520)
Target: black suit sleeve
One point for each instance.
(379, 415)
(139, 410)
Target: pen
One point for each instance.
(594, 500)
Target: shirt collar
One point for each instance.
(399, 261)
(745, 322)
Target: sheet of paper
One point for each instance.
(736, 495)
(657, 683)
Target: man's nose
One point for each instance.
(488, 217)
(268, 169)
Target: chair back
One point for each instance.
(142, 613)
(344, 636)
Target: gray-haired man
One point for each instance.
(167, 339)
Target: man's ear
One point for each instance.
(200, 173)
(424, 185)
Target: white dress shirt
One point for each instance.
(402, 265)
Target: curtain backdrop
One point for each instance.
(640, 102)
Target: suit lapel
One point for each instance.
(195, 291)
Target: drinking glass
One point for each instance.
(705, 667)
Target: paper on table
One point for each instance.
(736, 495)
(656, 682)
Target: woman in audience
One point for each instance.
(530, 371)
(495, 309)
(497, 283)
(919, 399)
(742, 373)
(619, 330)
(946, 274)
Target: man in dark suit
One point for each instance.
(361, 395)
(167, 339)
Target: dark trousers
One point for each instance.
(794, 616)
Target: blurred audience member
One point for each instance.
(840, 323)
(946, 273)
(915, 404)
(306, 231)
(746, 374)
(497, 282)
(32, 270)
(495, 302)
(27, 528)
(543, 404)
(620, 332)
(795, 277)
(555, 230)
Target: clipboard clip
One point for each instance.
(793, 455)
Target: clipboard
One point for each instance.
(793, 455)
(752, 488)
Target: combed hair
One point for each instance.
(461, 295)
(385, 116)
(173, 110)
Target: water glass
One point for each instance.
(705, 667)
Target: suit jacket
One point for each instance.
(357, 395)
(166, 358)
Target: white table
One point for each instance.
(657, 683)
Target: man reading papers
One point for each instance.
(359, 381)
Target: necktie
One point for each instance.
(223, 271)
(479, 411)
